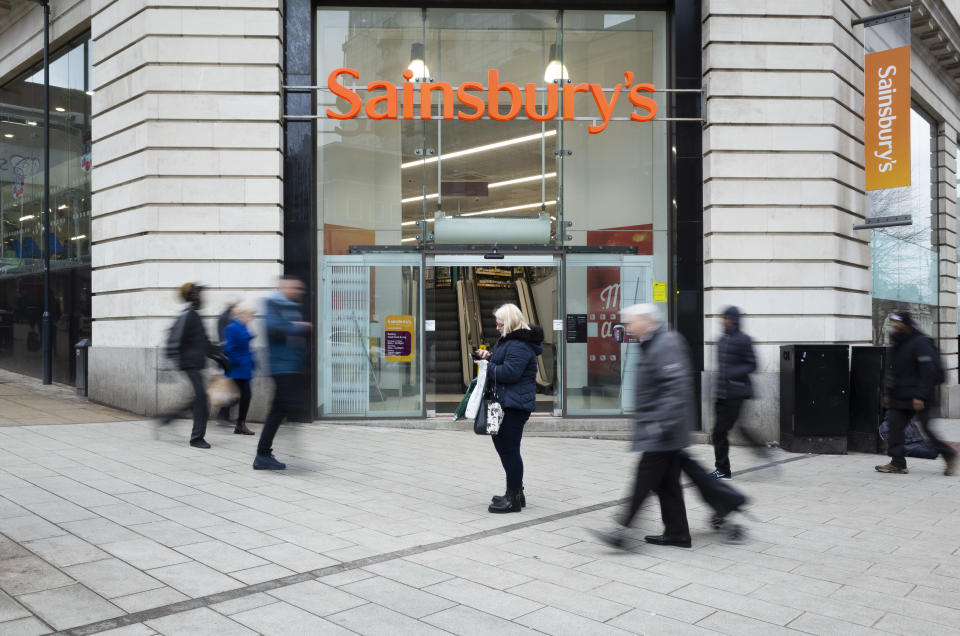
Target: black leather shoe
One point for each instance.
(199, 443)
(498, 498)
(616, 538)
(662, 539)
(510, 502)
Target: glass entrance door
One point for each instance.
(461, 294)
(369, 363)
(599, 362)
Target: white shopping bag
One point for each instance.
(475, 398)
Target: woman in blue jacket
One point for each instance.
(512, 373)
(236, 347)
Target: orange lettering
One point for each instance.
(426, 102)
(646, 103)
(569, 92)
(407, 95)
(390, 98)
(530, 102)
(493, 96)
(471, 101)
(343, 92)
(606, 108)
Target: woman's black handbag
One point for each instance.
(490, 413)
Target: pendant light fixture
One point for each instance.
(417, 65)
(556, 71)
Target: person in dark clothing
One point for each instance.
(224, 319)
(910, 386)
(723, 499)
(736, 362)
(287, 334)
(663, 417)
(512, 373)
(192, 350)
(236, 347)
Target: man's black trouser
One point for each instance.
(897, 420)
(660, 472)
(287, 395)
(198, 405)
(726, 413)
(718, 494)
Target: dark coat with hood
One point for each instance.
(665, 408)
(911, 371)
(512, 368)
(195, 346)
(736, 361)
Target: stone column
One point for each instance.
(187, 178)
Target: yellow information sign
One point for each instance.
(398, 339)
(659, 292)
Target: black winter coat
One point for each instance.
(911, 373)
(512, 368)
(195, 347)
(736, 361)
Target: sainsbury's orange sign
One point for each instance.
(473, 101)
(887, 118)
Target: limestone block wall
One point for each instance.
(187, 176)
(784, 181)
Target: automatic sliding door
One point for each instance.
(370, 363)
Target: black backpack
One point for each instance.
(171, 348)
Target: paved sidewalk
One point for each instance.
(385, 531)
(25, 400)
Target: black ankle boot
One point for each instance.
(521, 496)
(510, 502)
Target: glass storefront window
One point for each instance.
(524, 178)
(21, 207)
(905, 258)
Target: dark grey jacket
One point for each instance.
(665, 410)
(736, 361)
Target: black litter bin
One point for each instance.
(814, 398)
(866, 390)
(83, 351)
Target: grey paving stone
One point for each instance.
(667, 605)
(10, 549)
(190, 517)
(23, 575)
(897, 623)
(112, 577)
(373, 620)
(282, 619)
(61, 511)
(649, 622)
(589, 605)
(221, 556)
(24, 627)
(317, 598)
(408, 573)
(28, 528)
(564, 577)
(293, 557)
(70, 606)
(242, 604)
(813, 623)
(10, 609)
(239, 535)
(483, 598)
(144, 554)
(198, 622)
(475, 571)
(737, 604)
(66, 550)
(346, 577)
(99, 531)
(195, 579)
(398, 597)
(466, 621)
(739, 625)
(262, 573)
(789, 596)
(168, 533)
(150, 599)
(138, 629)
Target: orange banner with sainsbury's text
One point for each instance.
(887, 118)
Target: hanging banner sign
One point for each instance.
(398, 338)
(887, 118)
(387, 101)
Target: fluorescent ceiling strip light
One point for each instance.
(498, 184)
(512, 208)
(471, 151)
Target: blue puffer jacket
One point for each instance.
(237, 349)
(512, 368)
(287, 342)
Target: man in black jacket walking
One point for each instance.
(736, 362)
(910, 387)
(193, 347)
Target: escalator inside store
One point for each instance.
(460, 302)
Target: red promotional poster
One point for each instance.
(604, 302)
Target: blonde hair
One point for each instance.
(243, 309)
(511, 317)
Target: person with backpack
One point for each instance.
(914, 370)
(189, 346)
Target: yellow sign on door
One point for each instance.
(398, 338)
(659, 292)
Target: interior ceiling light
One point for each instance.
(31, 123)
(78, 237)
(417, 66)
(512, 208)
(8, 135)
(26, 218)
(484, 148)
(556, 71)
(498, 184)
(90, 93)
(60, 109)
